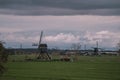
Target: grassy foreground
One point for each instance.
(87, 68)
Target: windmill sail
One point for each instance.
(40, 38)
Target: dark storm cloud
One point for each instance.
(60, 7)
(70, 4)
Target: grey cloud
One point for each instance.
(58, 11)
(71, 4)
(60, 7)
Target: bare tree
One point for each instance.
(3, 57)
(118, 47)
(76, 46)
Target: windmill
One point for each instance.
(42, 49)
(96, 49)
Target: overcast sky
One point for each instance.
(60, 7)
(64, 22)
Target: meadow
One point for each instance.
(87, 68)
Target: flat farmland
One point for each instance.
(87, 68)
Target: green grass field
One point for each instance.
(87, 68)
